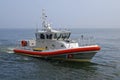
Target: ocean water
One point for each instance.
(104, 66)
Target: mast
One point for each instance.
(43, 18)
(45, 24)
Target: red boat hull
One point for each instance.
(58, 52)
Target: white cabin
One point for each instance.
(49, 38)
(53, 39)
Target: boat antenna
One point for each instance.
(44, 22)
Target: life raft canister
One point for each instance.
(23, 43)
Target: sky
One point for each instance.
(61, 13)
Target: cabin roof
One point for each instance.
(53, 31)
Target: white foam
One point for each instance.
(9, 50)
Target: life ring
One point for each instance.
(23, 43)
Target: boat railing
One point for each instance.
(18, 43)
(85, 41)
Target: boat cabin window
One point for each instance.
(68, 35)
(59, 36)
(37, 36)
(42, 36)
(62, 36)
(48, 36)
(55, 36)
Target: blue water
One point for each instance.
(104, 66)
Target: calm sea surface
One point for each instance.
(104, 66)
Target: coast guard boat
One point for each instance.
(56, 44)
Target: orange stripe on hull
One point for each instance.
(58, 52)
